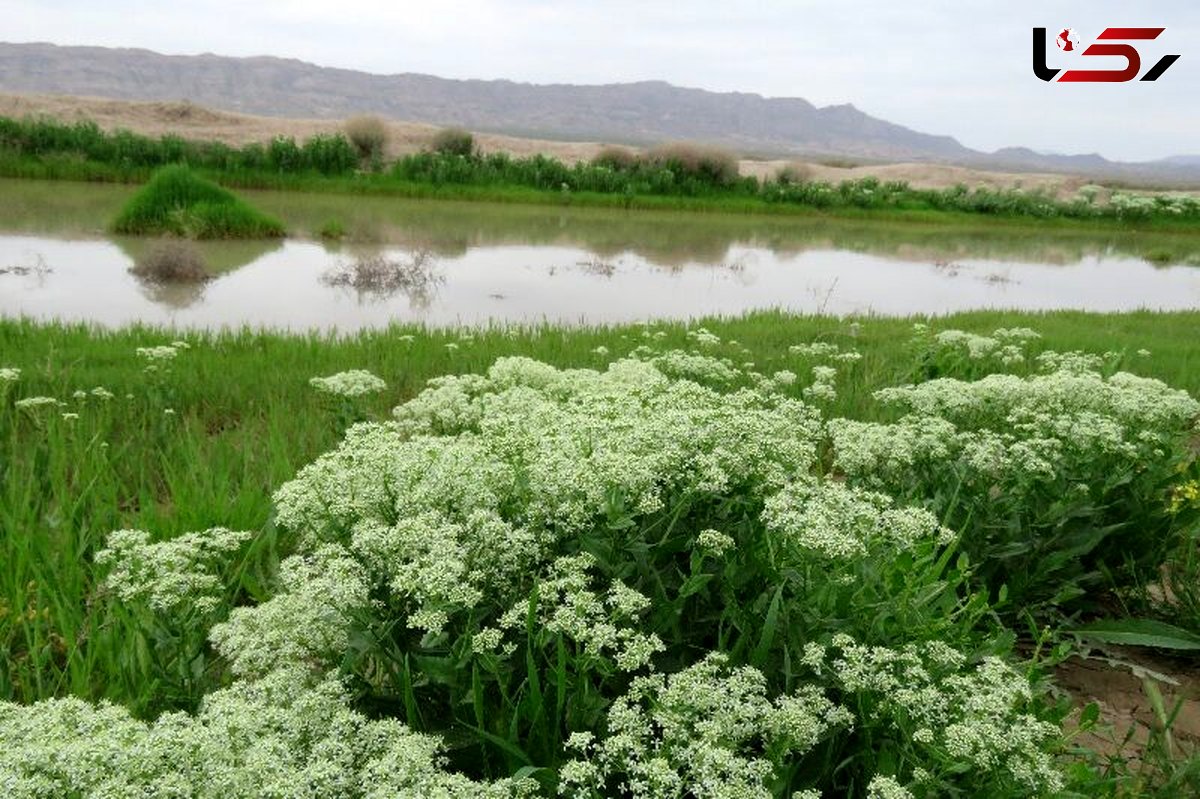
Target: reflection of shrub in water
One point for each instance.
(172, 261)
(38, 267)
(596, 266)
(382, 275)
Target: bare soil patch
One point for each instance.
(1117, 684)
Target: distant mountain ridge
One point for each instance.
(646, 112)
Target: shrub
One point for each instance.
(177, 202)
(794, 173)
(708, 164)
(172, 261)
(453, 141)
(369, 135)
(621, 159)
(1054, 478)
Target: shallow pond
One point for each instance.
(444, 263)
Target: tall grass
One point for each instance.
(178, 202)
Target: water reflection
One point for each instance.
(451, 229)
(375, 276)
(447, 263)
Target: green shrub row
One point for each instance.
(38, 147)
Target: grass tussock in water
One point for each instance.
(178, 202)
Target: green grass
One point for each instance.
(175, 201)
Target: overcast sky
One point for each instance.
(939, 66)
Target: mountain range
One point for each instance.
(639, 113)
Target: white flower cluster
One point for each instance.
(1127, 204)
(699, 368)
(272, 737)
(9, 374)
(704, 337)
(1015, 430)
(165, 352)
(974, 713)
(35, 404)
(307, 623)
(1006, 344)
(600, 624)
(426, 504)
(700, 732)
(836, 522)
(714, 543)
(174, 578)
(822, 388)
(352, 383)
(824, 350)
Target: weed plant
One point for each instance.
(660, 560)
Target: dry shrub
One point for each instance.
(453, 141)
(711, 164)
(172, 261)
(795, 173)
(618, 158)
(368, 134)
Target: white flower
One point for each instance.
(714, 543)
(352, 383)
(158, 354)
(34, 404)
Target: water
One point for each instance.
(483, 263)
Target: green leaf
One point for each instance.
(508, 746)
(694, 584)
(768, 632)
(1139, 632)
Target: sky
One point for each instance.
(938, 66)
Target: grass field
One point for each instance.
(201, 437)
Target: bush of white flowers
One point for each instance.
(668, 578)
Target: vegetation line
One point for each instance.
(679, 177)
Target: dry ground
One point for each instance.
(197, 122)
(1117, 682)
